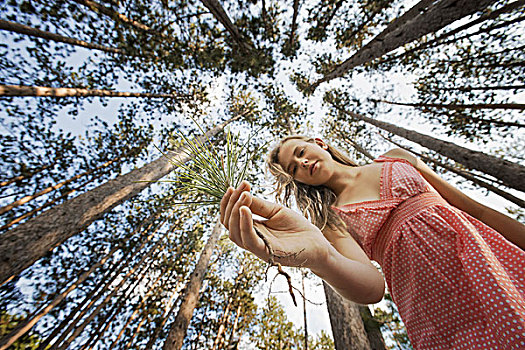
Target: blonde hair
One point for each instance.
(314, 201)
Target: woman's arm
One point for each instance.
(347, 263)
(297, 242)
(511, 229)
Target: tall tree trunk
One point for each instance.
(164, 317)
(235, 325)
(191, 294)
(436, 41)
(439, 15)
(137, 330)
(412, 13)
(46, 204)
(24, 326)
(34, 32)
(372, 328)
(114, 270)
(510, 174)
(347, 326)
(98, 8)
(220, 14)
(305, 320)
(43, 91)
(483, 88)
(49, 189)
(465, 175)
(294, 22)
(31, 240)
(99, 307)
(454, 106)
(226, 312)
(24, 176)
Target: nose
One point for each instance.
(304, 163)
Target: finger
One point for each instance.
(244, 186)
(250, 239)
(224, 203)
(264, 208)
(234, 223)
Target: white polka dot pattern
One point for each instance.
(458, 283)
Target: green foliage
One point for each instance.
(27, 342)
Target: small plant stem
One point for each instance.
(271, 262)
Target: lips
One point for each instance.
(312, 167)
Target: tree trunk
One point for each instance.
(167, 310)
(235, 325)
(42, 91)
(191, 294)
(137, 330)
(45, 205)
(98, 8)
(117, 266)
(26, 30)
(436, 41)
(408, 16)
(49, 189)
(304, 314)
(510, 174)
(220, 14)
(294, 22)
(347, 326)
(454, 106)
(99, 307)
(372, 328)
(439, 15)
(483, 88)
(31, 240)
(27, 324)
(24, 176)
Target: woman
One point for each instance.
(457, 282)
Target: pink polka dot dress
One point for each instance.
(458, 283)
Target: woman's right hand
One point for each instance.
(294, 240)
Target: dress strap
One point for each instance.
(384, 158)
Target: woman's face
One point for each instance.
(307, 162)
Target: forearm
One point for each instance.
(354, 280)
(511, 229)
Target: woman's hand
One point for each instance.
(294, 240)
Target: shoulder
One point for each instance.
(402, 154)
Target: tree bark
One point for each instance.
(454, 106)
(347, 326)
(473, 88)
(26, 325)
(99, 307)
(45, 205)
(42, 91)
(190, 298)
(436, 41)
(25, 176)
(439, 15)
(220, 14)
(49, 189)
(30, 31)
(294, 22)
(510, 174)
(98, 8)
(31, 240)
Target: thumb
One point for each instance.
(262, 207)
